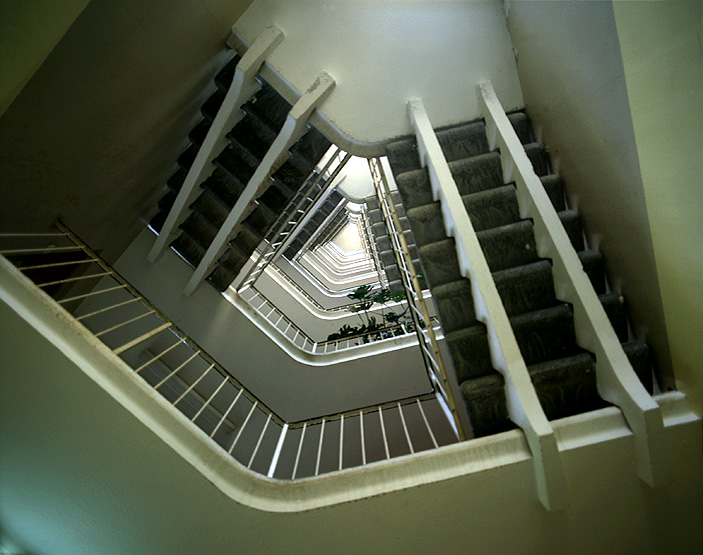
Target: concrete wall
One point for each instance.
(28, 33)
(96, 131)
(663, 62)
(573, 81)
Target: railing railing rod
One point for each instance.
(319, 447)
(47, 234)
(277, 451)
(41, 250)
(92, 293)
(297, 455)
(405, 428)
(363, 438)
(124, 284)
(78, 278)
(341, 441)
(157, 357)
(118, 326)
(427, 424)
(141, 338)
(244, 424)
(226, 414)
(383, 432)
(56, 264)
(96, 312)
(206, 403)
(192, 386)
(258, 443)
(176, 370)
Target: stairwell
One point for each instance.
(249, 140)
(563, 373)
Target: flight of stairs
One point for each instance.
(314, 223)
(384, 245)
(249, 140)
(562, 373)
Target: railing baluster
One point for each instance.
(142, 338)
(192, 386)
(226, 414)
(277, 452)
(246, 421)
(319, 447)
(341, 441)
(405, 428)
(174, 372)
(363, 438)
(206, 403)
(427, 424)
(92, 293)
(383, 432)
(258, 443)
(78, 278)
(118, 326)
(300, 447)
(157, 357)
(84, 316)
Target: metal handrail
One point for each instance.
(431, 353)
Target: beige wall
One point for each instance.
(575, 90)
(29, 30)
(661, 52)
(96, 131)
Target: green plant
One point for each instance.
(370, 328)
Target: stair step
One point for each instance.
(526, 288)
(223, 187)
(566, 386)
(246, 240)
(469, 350)
(185, 160)
(440, 262)
(199, 229)
(415, 188)
(251, 140)
(477, 173)
(614, 305)
(224, 77)
(188, 249)
(277, 196)
(311, 147)
(538, 157)
(638, 354)
(260, 220)
(463, 141)
(485, 403)
(175, 182)
(545, 334)
(212, 105)
(199, 132)
(514, 244)
(237, 164)
(220, 278)
(269, 107)
(455, 305)
(210, 208)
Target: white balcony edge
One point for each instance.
(248, 488)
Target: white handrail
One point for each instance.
(523, 405)
(617, 381)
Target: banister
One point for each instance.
(617, 381)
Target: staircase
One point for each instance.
(318, 219)
(249, 141)
(563, 373)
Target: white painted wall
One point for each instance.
(381, 54)
(572, 76)
(295, 391)
(663, 61)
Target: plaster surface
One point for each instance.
(382, 54)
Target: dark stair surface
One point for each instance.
(249, 140)
(563, 374)
(314, 223)
(384, 247)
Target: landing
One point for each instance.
(382, 54)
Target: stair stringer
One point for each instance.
(617, 381)
(523, 404)
(243, 86)
(293, 129)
